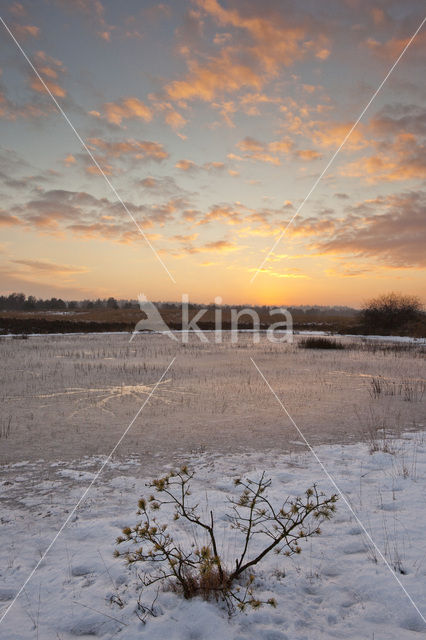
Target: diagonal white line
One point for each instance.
(92, 157)
(83, 496)
(341, 494)
(333, 157)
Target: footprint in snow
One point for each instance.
(354, 547)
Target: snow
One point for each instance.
(402, 339)
(338, 587)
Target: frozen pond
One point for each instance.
(66, 397)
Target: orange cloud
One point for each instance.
(392, 48)
(399, 118)
(185, 165)
(287, 274)
(378, 15)
(403, 159)
(12, 111)
(7, 220)
(308, 154)
(255, 150)
(220, 246)
(216, 246)
(225, 213)
(274, 42)
(258, 49)
(251, 222)
(269, 152)
(54, 88)
(58, 212)
(332, 134)
(22, 31)
(188, 238)
(173, 118)
(351, 269)
(50, 267)
(135, 149)
(107, 169)
(256, 98)
(390, 230)
(312, 226)
(226, 109)
(18, 10)
(250, 102)
(220, 75)
(191, 167)
(50, 69)
(124, 109)
(164, 186)
(213, 166)
(281, 146)
(49, 72)
(95, 14)
(69, 160)
(309, 88)
(105, 35)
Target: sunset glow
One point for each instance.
(212, 120)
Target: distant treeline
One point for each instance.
(21, 302)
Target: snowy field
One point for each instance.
(338, 587)
(67, 400)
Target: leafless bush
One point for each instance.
(413, 390)
(320, 343)
(198, 569)
(379, 440)
(376, 387)
(5, 428)
(377, 433)
(391, 312)
(409, 390)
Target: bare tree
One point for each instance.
(390, 312)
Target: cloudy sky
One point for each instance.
(211, 121)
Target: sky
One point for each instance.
(210, 122)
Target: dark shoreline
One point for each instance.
(19, 326)
(28, 326)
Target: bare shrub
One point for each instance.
(413, 390)
(379, 440)
(390, 312)
(378, 434)
(320, 343)
(5, 428)
(376, 387)
(409, 390)
(193, 569)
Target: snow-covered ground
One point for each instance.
(66, 400)
(338, 587)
